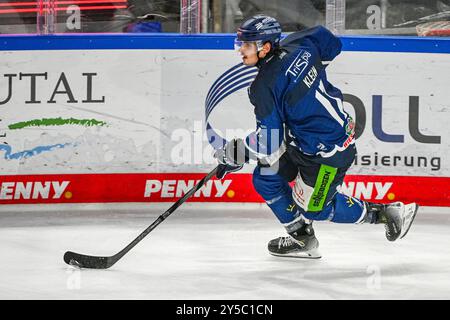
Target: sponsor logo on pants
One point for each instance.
(323, 182)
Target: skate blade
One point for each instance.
(312, 254)
(410, 213)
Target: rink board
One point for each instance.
(167, 187)
(103, 118)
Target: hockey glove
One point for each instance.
(225, 169)
(231, 157)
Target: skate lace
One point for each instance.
(287, 241)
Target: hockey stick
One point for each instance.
(96, 262)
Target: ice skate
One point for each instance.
(397, 218)
(296, 246)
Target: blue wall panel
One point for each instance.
(203, 42)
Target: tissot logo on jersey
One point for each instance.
(299, 64)
(33, 190)
(178, 188)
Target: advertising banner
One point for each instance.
(129, 125)
(168, 187)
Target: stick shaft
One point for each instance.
(163, 216)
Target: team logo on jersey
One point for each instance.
(350, 127)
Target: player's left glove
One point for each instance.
(231, 157)
(225, 169)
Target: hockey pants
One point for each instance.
(315, 190)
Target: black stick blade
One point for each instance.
(84, 261)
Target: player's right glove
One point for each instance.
(231, 157)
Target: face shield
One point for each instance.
(247, 45)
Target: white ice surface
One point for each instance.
(216, 253)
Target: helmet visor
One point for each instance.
(247, 45)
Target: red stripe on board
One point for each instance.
(65, 8)
(167, 187)
(33, 4)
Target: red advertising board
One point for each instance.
(167, 187)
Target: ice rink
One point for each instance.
(208, 252)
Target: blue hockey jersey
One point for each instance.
(294, 102)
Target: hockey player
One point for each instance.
(302, 134)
